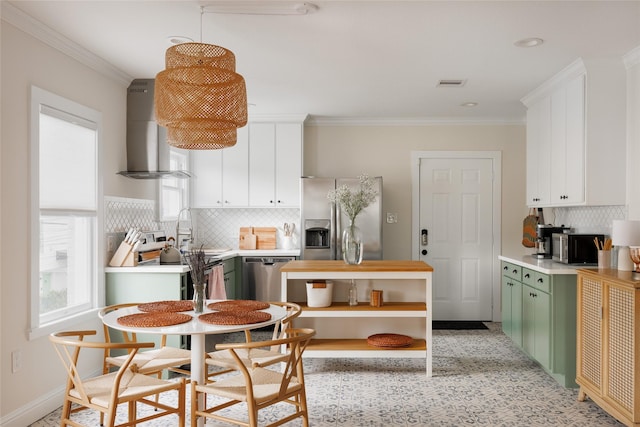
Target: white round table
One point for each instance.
(194, 328)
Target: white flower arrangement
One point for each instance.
(353, 201)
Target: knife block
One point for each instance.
(124, 256)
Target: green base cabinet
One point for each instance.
(147, 287)
(539, 315)
(512, 303)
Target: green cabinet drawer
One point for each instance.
(511, 270)
(536, 280)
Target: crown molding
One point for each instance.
(632, 58)
(24, 22)
(573, 70)
(416, 121)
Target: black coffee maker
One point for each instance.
(543, 239)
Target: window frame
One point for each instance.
(44, 100)
(183, 185)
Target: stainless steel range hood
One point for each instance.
(147, 148)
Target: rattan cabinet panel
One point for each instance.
(607, 349)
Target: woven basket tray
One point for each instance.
(389, 340)
(166, 306)
(151, 320)
(235, 318)
(238, 305)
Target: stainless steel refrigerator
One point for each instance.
(322, 222)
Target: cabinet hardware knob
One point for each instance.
(505, 268)
(527, 275)
(515, 271)
(540, 280)
(424, 252)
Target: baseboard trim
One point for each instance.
(37, 408)
(34, 410)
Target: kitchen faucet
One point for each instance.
(186, 230)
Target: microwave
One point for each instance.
(573, 248)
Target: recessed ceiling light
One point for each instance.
(469, 104)
(529, 42)
(179, 40)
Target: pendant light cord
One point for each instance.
(201, 17)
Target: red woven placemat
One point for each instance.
(238, 305)
(151, 320)
(235, 317)
(166, 306)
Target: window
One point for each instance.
(66, 201)
(173, 192)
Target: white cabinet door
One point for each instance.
(288, 166)
(576, 142)
(568, 144)
(206, 179)
(538, 153)
(235, 171)
(262, 141)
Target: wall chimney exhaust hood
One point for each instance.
(147, 149)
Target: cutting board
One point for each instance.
(248, 240)
(265, 237)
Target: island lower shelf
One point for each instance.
(364, 309)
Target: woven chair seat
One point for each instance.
(252, 357)
(266, 386)
(132, 387)
(155, 360)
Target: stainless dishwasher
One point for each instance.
(261, 277)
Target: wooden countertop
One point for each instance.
(366, 266)
(628, 278)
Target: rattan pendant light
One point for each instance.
(200, 98)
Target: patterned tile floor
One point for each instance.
(480, 378)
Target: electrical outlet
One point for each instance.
(16, 361)
(392, 218)
(111, 243)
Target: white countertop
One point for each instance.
(546, 266)
(155, 267)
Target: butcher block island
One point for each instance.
(342, 330)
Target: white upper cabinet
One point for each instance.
(568, 144)
(263, 169)
(275, 164)
(576, 141)
(220, 177)
(538, 153)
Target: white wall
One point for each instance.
(27, 61)
(632, 61)
(386, 151)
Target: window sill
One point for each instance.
(63, 324)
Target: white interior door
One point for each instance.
(456, 208)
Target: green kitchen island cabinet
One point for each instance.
(539, 313)
(147, 285)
